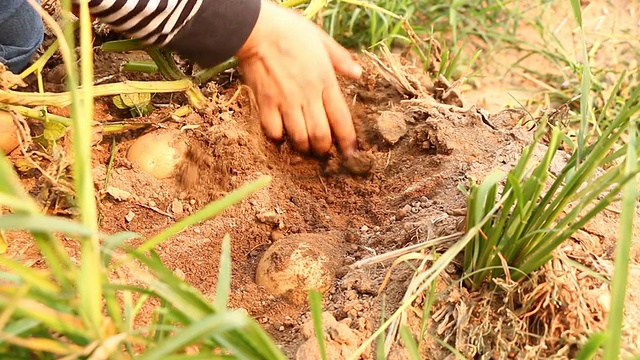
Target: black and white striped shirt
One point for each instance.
(207, 31)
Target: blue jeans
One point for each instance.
(21, 33)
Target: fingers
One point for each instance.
(293, 119)
(342, 61)
(270, 118)
(339, 117)
(318, 128)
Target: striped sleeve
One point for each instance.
(151, 21)
(207, 31)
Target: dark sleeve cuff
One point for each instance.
(217, 31)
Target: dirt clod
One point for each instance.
(392, 126)
(340, 340)
(360, 163)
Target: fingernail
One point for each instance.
(357, 70)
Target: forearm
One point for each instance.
(206, 31)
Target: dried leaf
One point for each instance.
(8, 79)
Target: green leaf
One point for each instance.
(207, 212)
(623, 251)
(315, 302)
(211, 324)
(410, 343)
(119, 102)
(45, 224)
(591, 347)
(54, 130)
(224, 274)
(112, 242)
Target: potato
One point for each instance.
(8, 133)
(294, 265)
(159, 153)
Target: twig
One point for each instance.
(406, 250)
(153, 208)
(322, 182)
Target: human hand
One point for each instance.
(291, 65)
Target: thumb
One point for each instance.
(341, 58)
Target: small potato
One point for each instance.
(159, 153)
(294, 265)
(8, 133)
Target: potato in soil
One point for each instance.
(298, 263)
(8, 133)
(159, 153)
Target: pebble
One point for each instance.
(129, 217)
(401, 214)
(152, 203)
(176, 207)
(415, 210)
(364, 228)
(269, 217)
(180, 274)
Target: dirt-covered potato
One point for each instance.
(294, 265)
(159, 153)
(8, 133)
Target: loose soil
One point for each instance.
(403, 190)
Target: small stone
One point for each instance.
(392, 126)
(415, 210)
(276, 235)
(118, 194)
(130, 216)
(197, 230)
(243, 311)
(269, 217)
(281, 328)
(152, 203)
(176, 207)
(401, 214)
(180, 274)
(192, 201)
(364, 228)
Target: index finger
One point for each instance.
(339, 117)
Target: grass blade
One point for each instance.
(623, 247)
(207, 212)
(224, 274)
(410, 343)
(315, 302)
(591, 347)
(215, 323)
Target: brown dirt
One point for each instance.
(403, 194)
